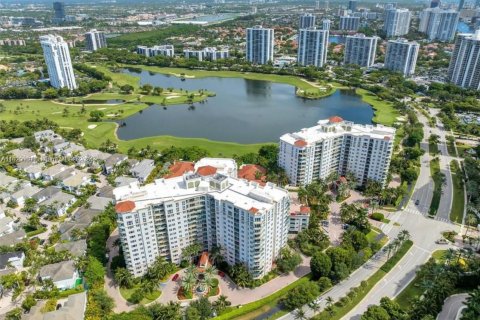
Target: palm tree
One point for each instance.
(216, 254)
(188, 283)
(300, 314)
(210, 271)
(449, 255)
(469, 220)
(221, 303)
(388, 249)
(315, 306)
(405, 234)
(123, 278)
(208, 281)
(329, 301)
(191, 270)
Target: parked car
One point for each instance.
(442, 241)
(417, 202)
(175, 277)
(221, 274)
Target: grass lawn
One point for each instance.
(462, 149)
(451, 146)
(127, 293)
(385, 113)
(339, 311)
(437, 191)
(433, 148)
(458, 204)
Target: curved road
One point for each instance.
(452, 307)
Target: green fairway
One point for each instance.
(458, 205)
(385, 113)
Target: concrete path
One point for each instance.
(452, 307)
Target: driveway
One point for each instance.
(452, 307)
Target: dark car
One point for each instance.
(417, 202)
(175, 277)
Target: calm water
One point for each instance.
(462, 27)
(244, 111)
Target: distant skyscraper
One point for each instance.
(260, 45)
(164, 50)
(326, 24)
(435, 4)
(95, 40)
(327, 5)
(397, 22)
(464, 69)
(307, 20)
(59, 12)
(461, 4)
(59, 64)
(401, 56)
(312, 47)
(360, 50)
(349, 23)
(317, 5)
(390, 6)
(439, 24)
(352, 5)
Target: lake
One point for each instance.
(243, 111)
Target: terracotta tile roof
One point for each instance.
(305, 209)
(253, 210)
(125, 206)
(300, 143)
(335, 119)
(249, 172)
(203, 261)
(386, 138)
(206, 170)
(179, 168)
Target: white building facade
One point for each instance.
(439, 24)
(464, 68)
(397, 22)
(59, 64)
(95, 40)
(337, 146)
(360, 50)
(208, 53)
(307, 21)
(349, 23)
(164, 50)
(248, 221)
(312, 47)
(260, 43)
(401, 56)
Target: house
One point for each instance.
(34, 171)
(6, 180)
(66, 229)
(52, 172)
(46, 193)
(23, 154)
(48, 145)
(112, 162)
(12, 260)
(98, 203)
(91, 158)
(142, 170)
(45, 135)
(23, 194)
(299, 214)
(86, 215)
(72, 149)
(75, 182)
(77, 248)
(106, 192)
(59, 203)
(179, 168)
(124, 181)
(253, 172)
(13, 238)
(72, 309)
(6, 224)
(63, 274)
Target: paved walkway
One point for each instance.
(452, 307)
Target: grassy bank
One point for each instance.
(339, 309)
(458, 204)
(264, 304)
(433, 148)
(127, 293)
(385, 113)
(437, 180)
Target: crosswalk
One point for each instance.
(415, 211)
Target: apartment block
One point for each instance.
(464, 68)
(401, 56)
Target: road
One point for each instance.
(452, 307)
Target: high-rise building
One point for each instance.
(307, 20)
(360, 50)
(461, 4)
(260, 45)
(209, 53)
(352, 5)
(165, 50)
(337, 146)
(312, 47)
(349, 23)
(59, 64)
(401, 56)
(326, 24)
(435, 4)
(439, 24)
(390, 6)
(95, 40)
(250, 222)
(464, 68)
(397, 22)
(59, 12)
